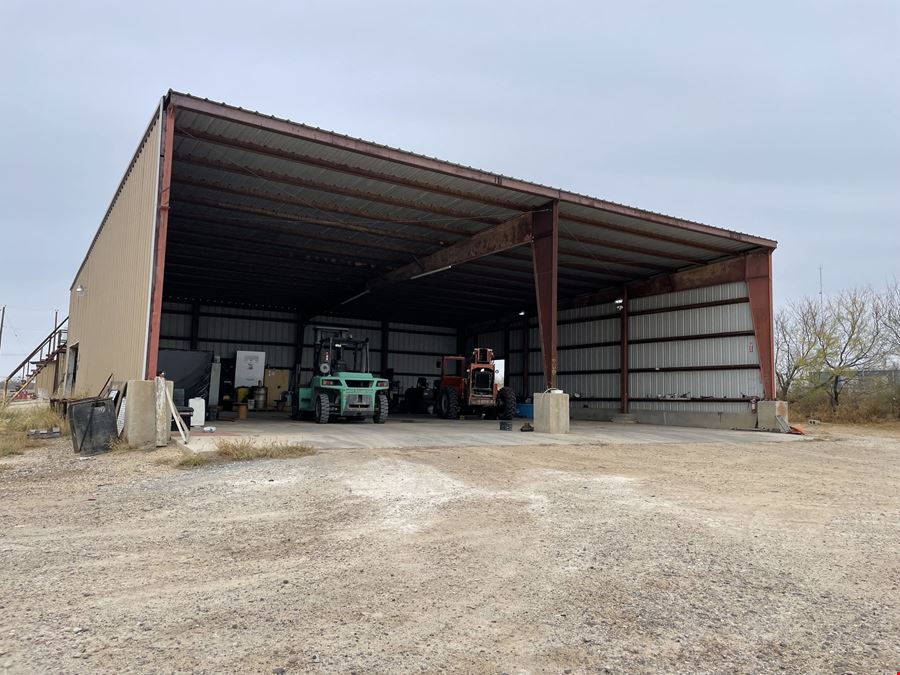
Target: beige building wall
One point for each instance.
(50, 377)
(109, 301)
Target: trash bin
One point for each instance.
(92, 424)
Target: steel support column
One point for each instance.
(623, 353)
(545, 248)
(162, 230)
(758, 275)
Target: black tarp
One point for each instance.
(188, 369)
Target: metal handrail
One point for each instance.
(57, 339)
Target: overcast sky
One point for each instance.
(780, 119)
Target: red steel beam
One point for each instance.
(502, 237)
(545, 249)
(162, 229)
(758, 274)
(723, 272)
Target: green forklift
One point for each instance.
(341, 384)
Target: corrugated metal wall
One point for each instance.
(109, 320)
(691, 366)
(413, 349)
(695, 344)
(689, 351)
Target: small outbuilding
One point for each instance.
(233, 231)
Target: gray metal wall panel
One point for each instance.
(709, 352)
(416, 342)
(249, 312)
(515, 337)
(725, 318)
(359, 329)
(699, 406)
(174, 344)
(708, 294)
(590, 386)
(175, 325)
(586, 312)
(276, 357)
(696, 384)
(493, 340)
(596, 358)
(597, 330)
(245, 330)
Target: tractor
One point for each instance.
(474, 389)
(341, 384)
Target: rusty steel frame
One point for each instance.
(758, 275)
(514, 232)
(162, 228)
(755, 268)
(545, 249)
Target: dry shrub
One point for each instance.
(860, 406)
(15, 421)
(14, 443)
(245, 449)
(31, 417)
(191, 460)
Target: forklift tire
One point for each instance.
(381, 409)
(450, 403)
(506, 404)
(323, 409)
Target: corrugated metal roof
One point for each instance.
(307, 216)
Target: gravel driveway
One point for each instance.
(677, 558)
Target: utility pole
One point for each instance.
(2, 319)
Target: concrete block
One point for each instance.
(769, 411)
(140, 414)
(551, 413)
(163, 412)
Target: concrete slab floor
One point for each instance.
(407, 431)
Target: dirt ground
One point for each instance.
(678, 558)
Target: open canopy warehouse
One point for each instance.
(232, 230)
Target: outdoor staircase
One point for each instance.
(46, 353)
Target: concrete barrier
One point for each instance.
(551, 413)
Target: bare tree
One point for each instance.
(851, 337)
(891, 317)
(797, 350)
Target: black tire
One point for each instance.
(381, 408)
(323, 409)
(506, 404)
(450, 403)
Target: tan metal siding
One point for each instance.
(109, 320)
(50, 377)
